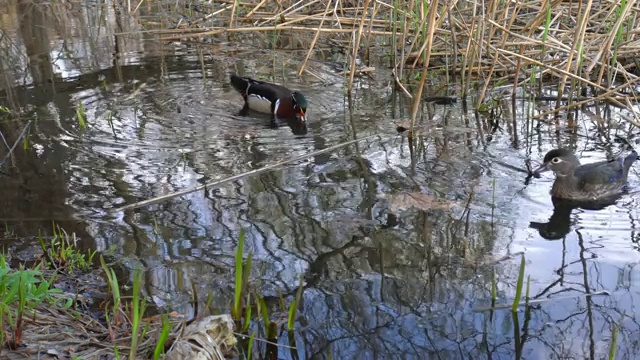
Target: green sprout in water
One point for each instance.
(614, 343)
(62, 251)
(519, 286)
(81, 115)
(139, 306)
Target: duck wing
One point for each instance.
(605, 174)
(248, 86)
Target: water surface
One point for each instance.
(162, 118)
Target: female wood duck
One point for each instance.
(588, 182)
(270, 98)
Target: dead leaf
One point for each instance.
(210, 338)
(420, 201)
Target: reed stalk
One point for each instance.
(356, 46)
(432, 12)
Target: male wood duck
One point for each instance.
(588, 182)
(270, 98)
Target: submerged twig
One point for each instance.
(539, 301)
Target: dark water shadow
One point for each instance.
(559, 224)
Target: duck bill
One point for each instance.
(301, 116)
(540, 169)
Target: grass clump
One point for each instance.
(66, 327)
(243, 313)
(61, 252)
(21, 291)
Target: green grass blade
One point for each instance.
(519, 285)
(614, 343)
(139, 306)
(237, 299)
(265, 314)
(162, 339)
(247, 318)
(526, 299)
(250, 345)
(292, 314)
(494, 287)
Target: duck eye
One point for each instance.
(555, 160)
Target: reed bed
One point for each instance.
(583, 48)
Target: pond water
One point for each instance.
(383, 284)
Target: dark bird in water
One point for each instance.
(588, 182)
(270, 98)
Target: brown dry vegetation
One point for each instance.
(587, 50)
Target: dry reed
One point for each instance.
(592, 45)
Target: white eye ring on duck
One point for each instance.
(556, 160)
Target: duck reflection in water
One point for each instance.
(297, 127)
(559, 224)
